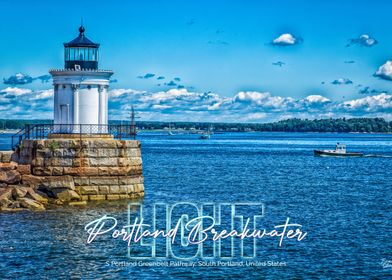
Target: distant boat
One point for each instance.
(170, 130)
(207, 134)
(340, 151)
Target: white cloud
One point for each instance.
(375, 103)
(114, 93)
(286, 39)
(184, 105)
(342, 81)
(364, 40)
(26, 103)
(15, 91)
(18, 79)
(44, 94)
(317, 99)
(385, 71)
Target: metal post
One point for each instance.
(27, 127)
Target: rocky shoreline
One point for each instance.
(17, 194)
(20, 190)
(41, 173)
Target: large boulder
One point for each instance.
(66, 195)
(6, 156)
(31, 204)
(10, 177)
(8, 166)
(18, 191)
(5, 197)
(37, 197)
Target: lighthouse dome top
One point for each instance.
(81, 52)
(81, 40)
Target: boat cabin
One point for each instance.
(341, 148)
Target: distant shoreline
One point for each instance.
(179, 132)
(340, 125)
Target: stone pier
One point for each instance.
(74, 170)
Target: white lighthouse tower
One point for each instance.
(81, 89)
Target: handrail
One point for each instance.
(41, 131)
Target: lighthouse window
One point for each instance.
(77, 53)
(81, 54)
(71, 54)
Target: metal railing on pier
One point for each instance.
(41, 131)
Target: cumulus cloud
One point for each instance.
(115, 93)
(364, 40)
(185, 105)
(385, 71)
(14, 91)
(161, 78)
(177, 79)
(147, 76)
(18, 79)
(23, 79)
(26, 103)
(376, 103)
(286, 39)
(317, 99)
(342, 81)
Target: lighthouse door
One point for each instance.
(64, 118)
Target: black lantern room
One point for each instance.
(81, 53)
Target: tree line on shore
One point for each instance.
(361, 125)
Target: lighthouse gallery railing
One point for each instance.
(41, 131)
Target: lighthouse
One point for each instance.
(79, 157)
(81, 88)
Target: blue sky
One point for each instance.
(217, 48)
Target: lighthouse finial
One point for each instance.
(81, 28)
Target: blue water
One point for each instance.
(343, 203)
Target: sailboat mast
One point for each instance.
(133, 123)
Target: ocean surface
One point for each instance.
(344, 204)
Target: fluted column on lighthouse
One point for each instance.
(75, 89)
(56, 112)
(101, 109)
(106, 121)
